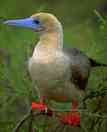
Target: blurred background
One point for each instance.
(85, 27)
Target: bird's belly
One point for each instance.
(48, 73)
(50, 77)
(53, 79)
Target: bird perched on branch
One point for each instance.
(61, 74)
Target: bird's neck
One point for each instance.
(51, 39)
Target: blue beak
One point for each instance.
(27, 22)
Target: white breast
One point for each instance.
(50, 70)
(48, 65)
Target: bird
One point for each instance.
(61, 74)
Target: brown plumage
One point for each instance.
(81, 68)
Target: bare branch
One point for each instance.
(26, 117)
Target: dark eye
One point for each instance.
(36, 21)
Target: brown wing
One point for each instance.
(80, 79)
(80, 67)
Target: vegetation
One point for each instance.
(85, 27)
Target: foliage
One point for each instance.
(16, 89)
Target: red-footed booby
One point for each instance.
(61, 74)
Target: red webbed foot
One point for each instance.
(39, 106)
(73, 117)
(42, 107)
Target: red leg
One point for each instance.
(42, 100)
(74, 105)
(73, 117)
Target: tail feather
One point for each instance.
(94, 63)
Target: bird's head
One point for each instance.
(40, 22)
(48, 26)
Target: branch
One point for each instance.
(31, 120)
(25, 118)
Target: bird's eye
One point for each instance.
(36, 21)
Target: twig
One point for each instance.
(31, 121)
(22, 121)
(29, 114)
(25, 118)
(100, 16)
(96, 115)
